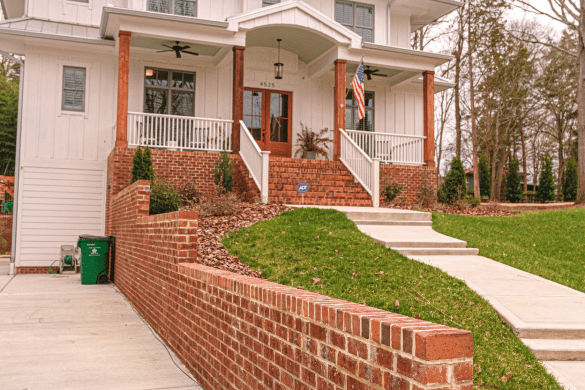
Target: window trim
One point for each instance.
(354, 107)
(353, 27)
(173, 8)
(63, 89)
(169, 88)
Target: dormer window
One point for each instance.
(266, 3)
(357, 17)
(176, 7)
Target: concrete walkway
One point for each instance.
(548, 317)
(57, 334)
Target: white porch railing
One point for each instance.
(391, 148)
(363, 168)
(179, 132)
(256, 161)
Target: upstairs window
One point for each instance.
(176, 7)
(266, 3)
(73, 95)
(357, 17)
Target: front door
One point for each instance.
(268, 114)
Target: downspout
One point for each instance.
(16, 160)
(389, 23)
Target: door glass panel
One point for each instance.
(253, 113)
(278, 117)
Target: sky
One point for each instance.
(542, 5)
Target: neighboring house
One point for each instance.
(6, 188)
(101, 74)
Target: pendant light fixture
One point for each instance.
(278, 67)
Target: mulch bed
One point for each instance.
(211, 229)
(485, 210)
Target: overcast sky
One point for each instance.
(542, 5)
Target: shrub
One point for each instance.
(485, 176)
(530, 196)
(473, 201)
(427, 195)
(163, 197)
(142, 165)
(455, 187)
(189, 194)
(223, 172)
(390, 192)
(570, 179)
(546, 187)
(514, 190)
(218, 202)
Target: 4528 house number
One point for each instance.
(267, 85)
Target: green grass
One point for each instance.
(550, 244)
(322, 251)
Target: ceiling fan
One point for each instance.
(372, 72)
(178, 49)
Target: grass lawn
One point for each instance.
(550, 244)
(323, 251)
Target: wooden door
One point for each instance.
(268, 115)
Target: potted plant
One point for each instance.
(312, 144)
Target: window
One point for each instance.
(351, 113)
(80, 1)
(169, 92)
(266, 3)
(357, 17)
(176, 7)
(73, 98)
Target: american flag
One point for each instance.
(358, 91)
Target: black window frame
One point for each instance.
(353, 107)
(172, 4)
(169, 88)
(354, 26)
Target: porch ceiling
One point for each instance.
(306, 44)
(157, 44)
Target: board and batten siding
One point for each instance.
(57, 205)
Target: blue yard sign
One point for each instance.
(302, 187)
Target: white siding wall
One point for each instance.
(63, 156)
(71, 11)
(403, 112)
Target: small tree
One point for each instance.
(546, 186)
(223, 172)
(455, 186)
(485, 181)
(514, 190)
(142, 165)
(570, 182)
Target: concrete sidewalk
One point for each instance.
(548, 317)
(57, 334)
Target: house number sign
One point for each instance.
(267, 85)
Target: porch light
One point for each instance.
(278, 67)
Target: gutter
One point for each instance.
(389, 23)
(400, 50)
(68, 38)
(16, 160)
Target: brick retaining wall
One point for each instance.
(409, 177)
(237, 332)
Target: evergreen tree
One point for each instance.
(570, 182)
(514, 191)
(8, 122)
(455, 187)
(485, 176)
(223, 172)
(546, 186)
(142, 165)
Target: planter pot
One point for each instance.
(311, 155)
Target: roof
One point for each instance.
(40, 28)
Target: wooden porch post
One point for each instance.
(123, 71)
(238, 96)
(339, 106)
(429, 117)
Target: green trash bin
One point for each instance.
(95, 258)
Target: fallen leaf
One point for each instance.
(397, 303)
(316, 280)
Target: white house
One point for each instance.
(182, 74)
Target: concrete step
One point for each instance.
(387, 215)
(436, 251)
(394, 223)
(549, 331)
(557, 350)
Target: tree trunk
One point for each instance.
(524, 158)
(476, 191)
(581, 107)
(493, 196)
(500, 173)
(561, 165)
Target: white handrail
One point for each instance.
(256, 161)
(391, 148)
(179, 132)
(362, 167)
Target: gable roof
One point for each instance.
(297, 14)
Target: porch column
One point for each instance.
(429, 117)
(339, 106)
(123, 71)
(238, 96)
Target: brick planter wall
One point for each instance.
(236, 332)
(6, 232)
(409, 177)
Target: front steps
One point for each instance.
(330, 183)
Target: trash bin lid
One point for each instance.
(89, 237)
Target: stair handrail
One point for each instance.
(255, 160)
(365, 169)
